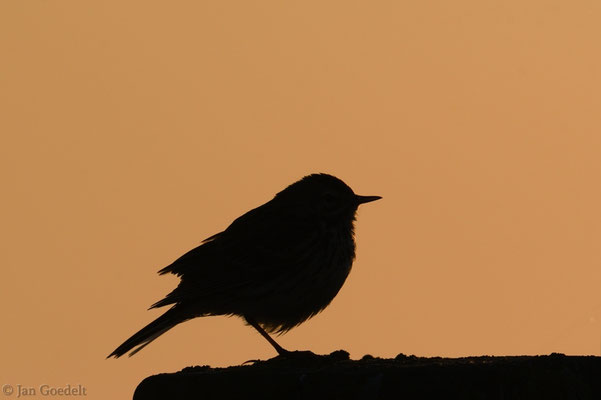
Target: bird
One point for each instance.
(275, 266)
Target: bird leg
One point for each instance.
(281, 351)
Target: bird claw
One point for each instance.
(297, 355)
(306, 355)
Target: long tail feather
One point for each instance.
(149, 333)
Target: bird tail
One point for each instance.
(150, 332)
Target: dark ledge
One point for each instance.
(554, 376)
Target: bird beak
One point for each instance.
(366, 199)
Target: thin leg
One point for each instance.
(281, 351)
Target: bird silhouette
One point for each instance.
(275, 266)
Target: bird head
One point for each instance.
(322, 196)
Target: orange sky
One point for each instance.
(130, 131)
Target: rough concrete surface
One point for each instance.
(335, 376)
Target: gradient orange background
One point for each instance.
(130, 131)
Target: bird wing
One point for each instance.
(244, 230)
(257, 247)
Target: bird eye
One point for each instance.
(330, 200)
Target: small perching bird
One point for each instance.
(275, 266)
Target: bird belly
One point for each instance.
(302, 291)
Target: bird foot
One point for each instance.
(297, 355)
(306, 355)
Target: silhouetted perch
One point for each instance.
(555, 376)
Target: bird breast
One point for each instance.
(306, 286)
